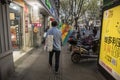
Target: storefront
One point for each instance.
(16, 25)
(21, 25)
(38, 21)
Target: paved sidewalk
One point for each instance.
(34, 66)
(19, 54)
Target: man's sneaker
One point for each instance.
(50, 68)
(56, 73)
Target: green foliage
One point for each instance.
(74, 9)
(94, 8)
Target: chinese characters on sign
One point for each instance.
(110, 42)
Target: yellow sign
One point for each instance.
(35, 29)
(110, 42)
(12, 16)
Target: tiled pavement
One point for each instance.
(34, 66)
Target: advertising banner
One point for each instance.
(110, 42)
(66, 32)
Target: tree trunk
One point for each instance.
(76, 24)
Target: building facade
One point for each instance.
(22, 26)
(6, 58)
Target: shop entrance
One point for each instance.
(16, 26)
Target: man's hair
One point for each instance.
(54, 23)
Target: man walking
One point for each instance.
(56, 45)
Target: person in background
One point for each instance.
(57, 39)
(47, 28)
(44, 35)
(94, 31)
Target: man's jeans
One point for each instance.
(57, 56)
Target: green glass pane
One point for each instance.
(47, 2)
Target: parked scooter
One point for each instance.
(81, 49)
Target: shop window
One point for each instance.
(16, 25)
